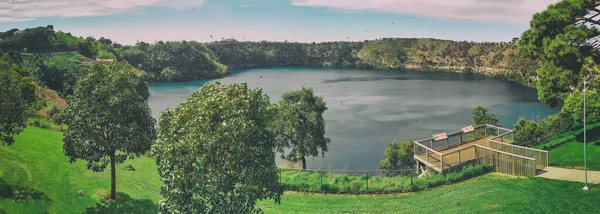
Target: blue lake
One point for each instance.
(369, 109)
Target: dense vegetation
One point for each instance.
(174, 61)
(494, 59)
(17, 94)
(561, 38)
(215, 152)
(179, 61)
(308, 181)
(398, 155)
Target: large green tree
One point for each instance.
(574, 107)
(526, 130)
(398, 155)
(216, 153)
(300, 126)
(109, 121)
(481, 116)
(560, 39)
(17, 93)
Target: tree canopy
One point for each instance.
(560, 39)
(398, 155)
(481, 116)
(299, 125)
(17, 93)
(215, 152)
(526, 130)
(108, 120)
(574, 107)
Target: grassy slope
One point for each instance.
(570, 155)
(492, 193)
(36, 161)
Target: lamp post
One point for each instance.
(585, 87)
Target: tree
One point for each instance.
(108, 120)
(215, 152)
(574, 107)
(398, 155)
(561, 43)
(89, 47)
(526, 130)
(480, 116)
(16, 96)
(300, 126)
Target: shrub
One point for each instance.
(53, 110)
(398, 155)
(308, 181)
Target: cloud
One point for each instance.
(506, 11)
(25, 10)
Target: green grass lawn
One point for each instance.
(36, 177)
(36, 162)
(570, 155)
(492, 193)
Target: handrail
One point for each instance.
(496, 127)
(459, 149)
(506, 153)
(436, 152)
(452, 134)
(539, 150)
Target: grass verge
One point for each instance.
(308, 181)
(491, 193)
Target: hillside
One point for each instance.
(190, 60)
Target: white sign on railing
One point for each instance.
(440, 136)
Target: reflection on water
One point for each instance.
(369, 109)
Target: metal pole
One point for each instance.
(367, 181)
(411, 175)
(321, 185)
(584, 141)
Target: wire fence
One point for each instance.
(372, 181)
(541, 139)
(346, 181)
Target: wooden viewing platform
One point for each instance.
(485, 144)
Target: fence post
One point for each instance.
(411, 175)
(321, 185)
(367, 181)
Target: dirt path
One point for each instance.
(570, 175)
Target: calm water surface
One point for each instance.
(369, 109)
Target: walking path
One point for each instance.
(570, 175)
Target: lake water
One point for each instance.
(369, 109)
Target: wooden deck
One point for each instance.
(453, 155)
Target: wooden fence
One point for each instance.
(540, 156)
(454, 139)
(508, 163)
(503, 156)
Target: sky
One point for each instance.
(129, 21)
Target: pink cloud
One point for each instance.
(25, 10)
(506, 11)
